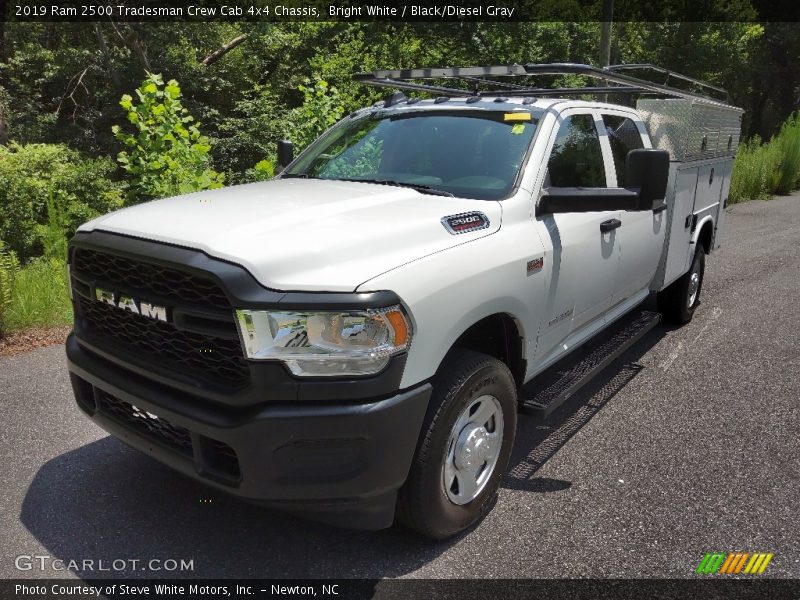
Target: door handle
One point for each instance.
(609, 225)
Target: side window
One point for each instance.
(623, 137)
(576, 159)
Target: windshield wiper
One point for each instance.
(422, 189)
(297, 176)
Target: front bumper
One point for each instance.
(340, 462)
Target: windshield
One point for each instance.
(471, 154)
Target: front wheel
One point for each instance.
(464, 446)
(678, 302)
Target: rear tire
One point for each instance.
(678, 302)
(464, 446)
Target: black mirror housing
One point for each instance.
(285, 153)
(647, 172)
(572, 199)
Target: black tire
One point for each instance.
(464, 377)
(674, 302)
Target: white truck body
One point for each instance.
(304, 339)
(289, 234)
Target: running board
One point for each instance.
(549, 390)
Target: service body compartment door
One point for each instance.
(707, 201)
(680, 215)
(725, 169)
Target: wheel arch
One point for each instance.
(500, 335)
(704, 234)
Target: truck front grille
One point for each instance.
(153, 280)
(147, 424)
(215, 458)
(204, 357)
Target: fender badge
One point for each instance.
(535, 265)
(465, 222)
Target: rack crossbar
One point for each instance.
(612, 80)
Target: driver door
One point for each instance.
(584, 247)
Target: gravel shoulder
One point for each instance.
(30, 339)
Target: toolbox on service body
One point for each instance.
(702, 138)
(691, 129)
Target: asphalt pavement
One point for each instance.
(687, 444)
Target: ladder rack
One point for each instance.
(612, 80)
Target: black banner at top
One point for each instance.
(388, 10)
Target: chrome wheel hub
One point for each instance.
(473, 449)
(694, 285)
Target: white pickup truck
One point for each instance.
(353, 340)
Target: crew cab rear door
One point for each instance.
(641, 234)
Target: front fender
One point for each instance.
(448, 292)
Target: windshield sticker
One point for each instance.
(517, 116)
(518, 128)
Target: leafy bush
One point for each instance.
(9, 267)
(754, 171)
(54, 233)
(35, 175)
(261, 171)
(166, 155)
(763, 169)
(322, 108)
(788, 142)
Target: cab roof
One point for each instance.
(536, 106)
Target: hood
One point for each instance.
(305, 234)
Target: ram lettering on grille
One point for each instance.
(134, 305)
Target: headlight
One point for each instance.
(325, 343)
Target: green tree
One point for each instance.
(34, 176)
(166, 155)
(321, 109)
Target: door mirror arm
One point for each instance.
(285, 154)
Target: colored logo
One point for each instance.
(535, 265)
(464, 222)
(734, 563)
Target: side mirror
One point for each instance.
(571, 199)
(647, 172)
(285, 154)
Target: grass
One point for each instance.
(764, 169)
(39, 297)
(37, 294)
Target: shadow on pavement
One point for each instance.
(106, 502)
(539, 440)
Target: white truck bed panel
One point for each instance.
(696, 190)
